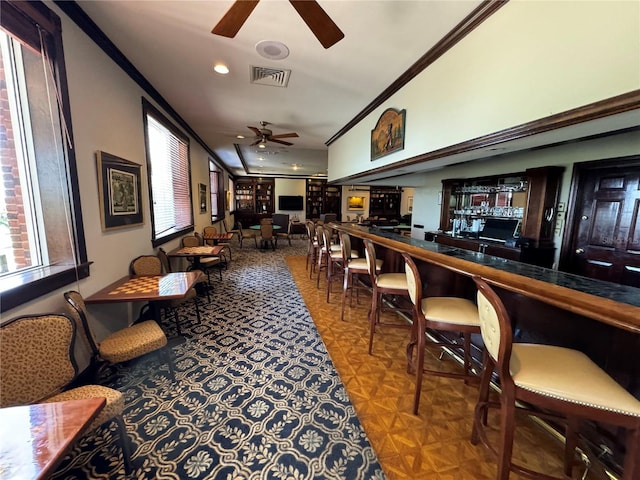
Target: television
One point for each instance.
(499, 229)
(290, 202)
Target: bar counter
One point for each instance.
(601, 319)
(606, 302)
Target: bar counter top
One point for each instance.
(610, 303)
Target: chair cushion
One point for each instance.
(360, 264)
(133, 342)
(568, 375)
(458, 311)
(113, 407)
(397, 281)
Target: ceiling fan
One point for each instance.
(325, 30)
(264, 135)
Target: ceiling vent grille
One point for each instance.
(273, 77)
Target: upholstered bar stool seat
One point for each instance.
(382, 284)
(553, 382)
(353, 267)
(444, 314)
(580, 381)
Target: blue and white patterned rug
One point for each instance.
(256, 395)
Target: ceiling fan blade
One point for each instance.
(275, 140)
(318, 21)
(284, 135)
(256, 131)
(235, 17)
(256, 142)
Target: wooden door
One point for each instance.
(605, 230)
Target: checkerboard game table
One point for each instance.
(146, 288)
(194, 254)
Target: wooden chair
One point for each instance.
(445, 314)
(121, 346)
(382, 284)
(38, 366)
(211, 230)
(151, 265)
(565, 383)
(206, 264)
(246, 233)
(286, 234)
(203, 277)
(266, 235)
(334, 260)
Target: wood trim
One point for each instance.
(619, 315)
(593, 111)
(461, 30)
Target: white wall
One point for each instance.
(527, 61)
(106, 115)
(291, 186)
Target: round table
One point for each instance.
(257, 227)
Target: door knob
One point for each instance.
(584, 217)
(579, 251)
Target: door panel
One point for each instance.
(606, 230)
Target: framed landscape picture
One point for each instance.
(355, 203)
(119, 192)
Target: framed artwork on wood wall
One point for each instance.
(119, 192)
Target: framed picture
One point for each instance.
(355, 203)
(202, 197)
(388, 135)
(119, 190)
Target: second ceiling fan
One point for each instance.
(325, 30)
(264, 135)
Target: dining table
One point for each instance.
(35, 438)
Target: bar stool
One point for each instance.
(312, 247)
(326, 249)
(447, 314)
(352, 267)
(333, 258)
(382, 284)
(557, 379)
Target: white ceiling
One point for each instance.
(171, 44)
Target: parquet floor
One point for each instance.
(434, 445)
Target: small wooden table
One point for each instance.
(146, 288)
(35, 438)
(217, 238)
(197, 253)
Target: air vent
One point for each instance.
(273, 77)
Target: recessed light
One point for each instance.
(262, 145)
(221, 68)
(240, 136)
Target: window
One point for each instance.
(41, 244)
(217, 192)
(169, 176)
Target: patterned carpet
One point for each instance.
(256, 395)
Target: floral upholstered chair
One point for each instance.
(38, 365)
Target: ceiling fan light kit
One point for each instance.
(320, 24)
(264, 135)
